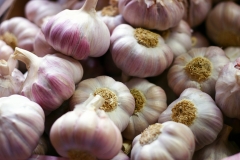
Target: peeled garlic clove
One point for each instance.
(199, 112)
(139, 52)
(51, 79)
(232, 53)
(86, 133)
(226, 13)
(150, 102)
(78, 37)
(169, 140)
(152, 14)
(119, 102)
(198, 68)
(220, 148)
(228, 88)
(21, 126)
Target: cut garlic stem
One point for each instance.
(4, 69)
(125, 77)
(90, 5)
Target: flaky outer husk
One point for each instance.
(208, 121)
(222, 24)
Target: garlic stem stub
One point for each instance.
(198, 111)
(78, 33)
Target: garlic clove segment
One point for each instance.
(119, 102)
(198, 111)
(5, 50)
(51, 79)
(150, 102)
(78, 33)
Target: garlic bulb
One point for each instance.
(86, 133)
(18, 32)
(11, 79)
(111, 16)
(199, 40)
(152, 14)
(51, 79)
(169, 140)
(222, 24)
(21, 126)
(40, 45)
(119, 102)
(196, 11)
(232, 53)
(5, 50)
(198, 111)
(218, 149)
(150, 102)
(198, 68)
(78, 37)
(178, 38)
(228, 89)
(139, 52)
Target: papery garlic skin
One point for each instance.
(198, 68)
(78, 37)
(152, 14)
(150, 102)
(19, 31)
(119, 102)
(204, 117)
(5, 50)
(232, 53)
(228, 89)
(169, 140)
(51, 79)
(21, 125)
(86, 130)
(222, 25)
(135, 59)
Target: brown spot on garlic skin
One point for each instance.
(199, 69)
(77, 155)
(9, 39)
(184, 112)
(139, 100)
(110, 97)
(150, 134)
(145, 37)
(110, 11)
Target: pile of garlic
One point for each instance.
(120, 80)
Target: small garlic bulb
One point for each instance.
(228, 89)
(86, 133)
(166, 141)
(5, 50)
(219, 149)
(151, 14)
(232, 53)
(198, 68)
(78, 37)
(119, 102)
(199, 112)
(139, 52)
(150, 102)
(222, 24)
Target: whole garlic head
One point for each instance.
(198, 111)
(169, 140)
(198, 68)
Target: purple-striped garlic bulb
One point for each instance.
(139, 52)
(119, 102)
(86, 133)
(11, 79)
(5, 50)
(199, 40)
(198, 68)
(165, 141)
(152, 14)
(21, 126)
(111, 16)
(18, 32)
(232, 53)
(78, 33)
(228, 89)
(50, 79)
(40, 45)
(150, 102)
(198, 111)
